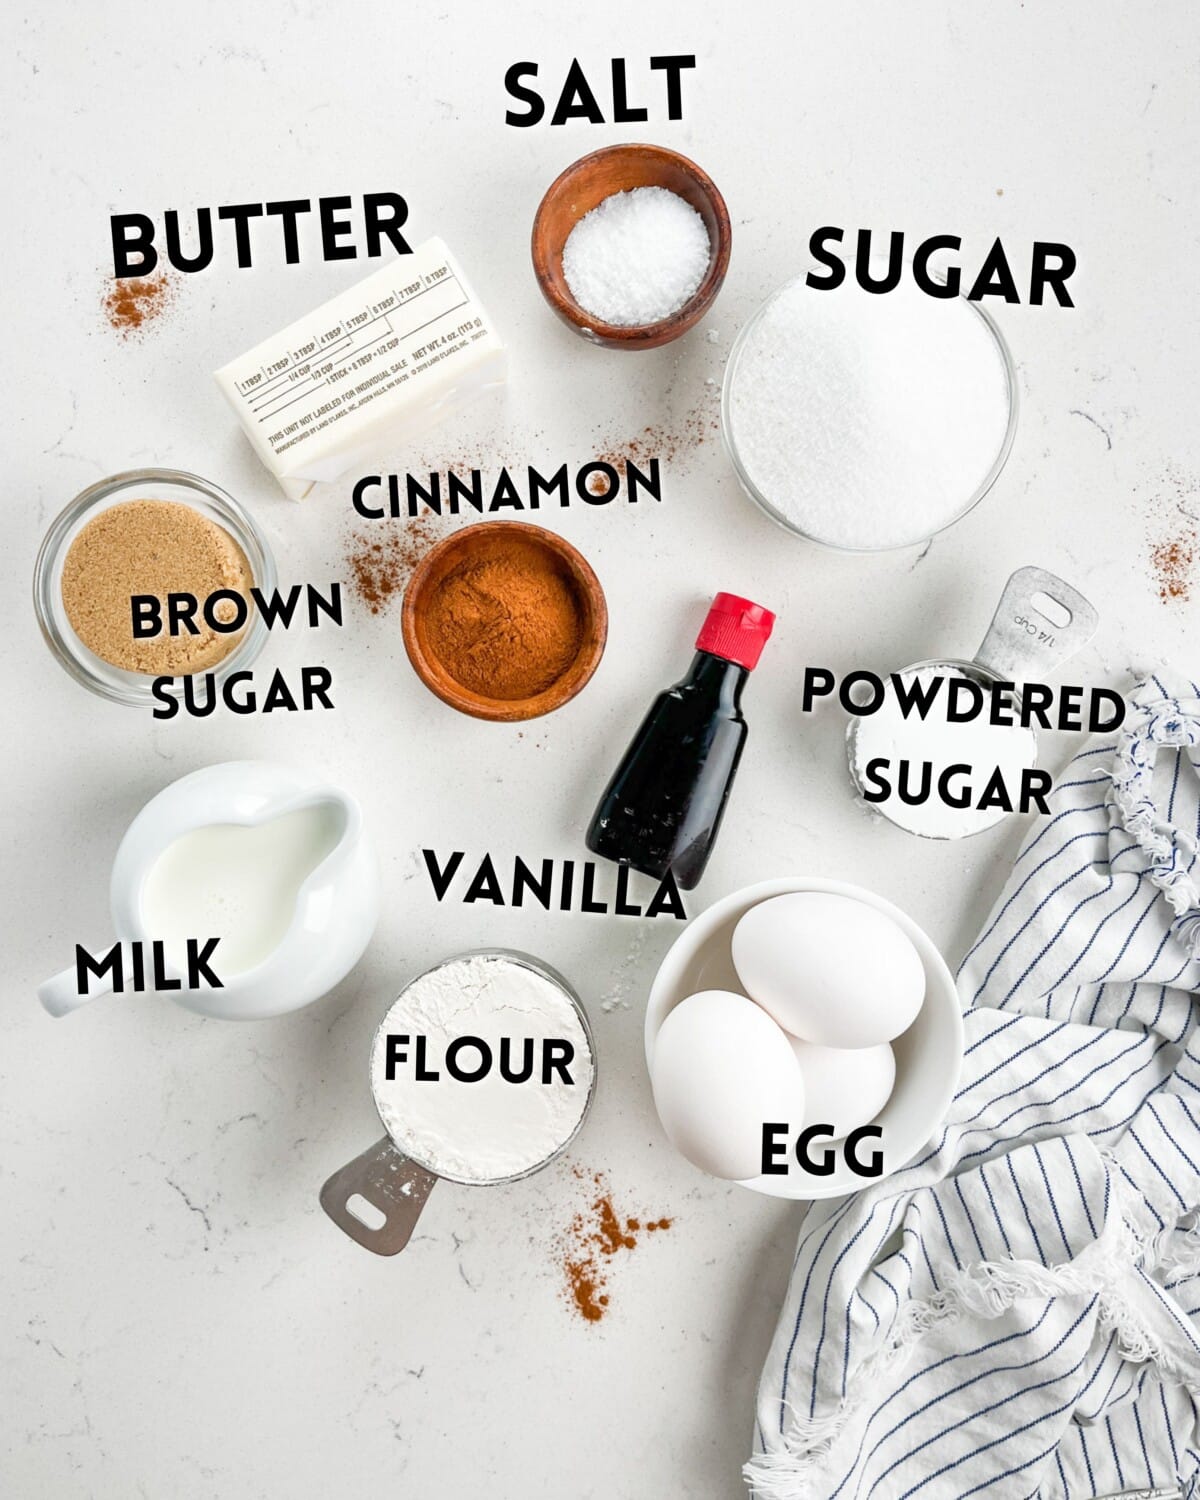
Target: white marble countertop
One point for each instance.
(179, 1317)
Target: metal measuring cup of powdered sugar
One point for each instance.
(1039, 623)
(378, 1197)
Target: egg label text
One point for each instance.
(513, 1058)
(775, 1151)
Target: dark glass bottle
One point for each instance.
(663, 807)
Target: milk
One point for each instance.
(237, 883)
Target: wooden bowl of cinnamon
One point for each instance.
(504, 621)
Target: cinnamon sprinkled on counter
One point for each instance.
(1172, 562)
(382, 561)
(668, 440)
(1172, 512)
(133, 301)
(595, 1235)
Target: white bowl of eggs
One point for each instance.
(802, 1002)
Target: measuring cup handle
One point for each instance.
(391, 1185)
(60, 995)
(1023, 642)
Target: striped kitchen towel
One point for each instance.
(1016, 1315)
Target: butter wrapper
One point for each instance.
(378, 364)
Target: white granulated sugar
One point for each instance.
(984, 747)
(491, 1129)
(868, 420)
(636, 257)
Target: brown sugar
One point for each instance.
(507, 623)
(151, 547)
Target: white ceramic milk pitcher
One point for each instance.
(271, 861)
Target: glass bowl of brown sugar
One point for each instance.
(504, 621)
(126, 554)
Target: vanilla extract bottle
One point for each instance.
(662, 810)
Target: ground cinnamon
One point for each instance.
(382, 561)
(134, 301)
(505, 623)
(594, 1236)
(670, 439)
(1172, 561)
(1173, 534)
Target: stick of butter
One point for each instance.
(387, 359)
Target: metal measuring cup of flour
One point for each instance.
(394, 1185)
(1026, 641)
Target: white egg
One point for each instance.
(829, 969)
(844, 1087)
(721, 1070)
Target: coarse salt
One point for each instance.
(868, 421)
(636, 257)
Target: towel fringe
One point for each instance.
(1107, 1269)
(1170, 852)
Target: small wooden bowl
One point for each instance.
(474, 543)
(590, 180)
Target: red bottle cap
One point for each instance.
(735, 629)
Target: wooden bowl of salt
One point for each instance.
(586, 185)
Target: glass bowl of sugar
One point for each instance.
(865, 422)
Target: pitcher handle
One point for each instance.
(60, 995)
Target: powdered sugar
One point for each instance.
(984, 748)
(867, 421)
(490, 1129)
(636, 257)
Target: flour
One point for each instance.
(984, 747)
(867, 422)
(492, 1129)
